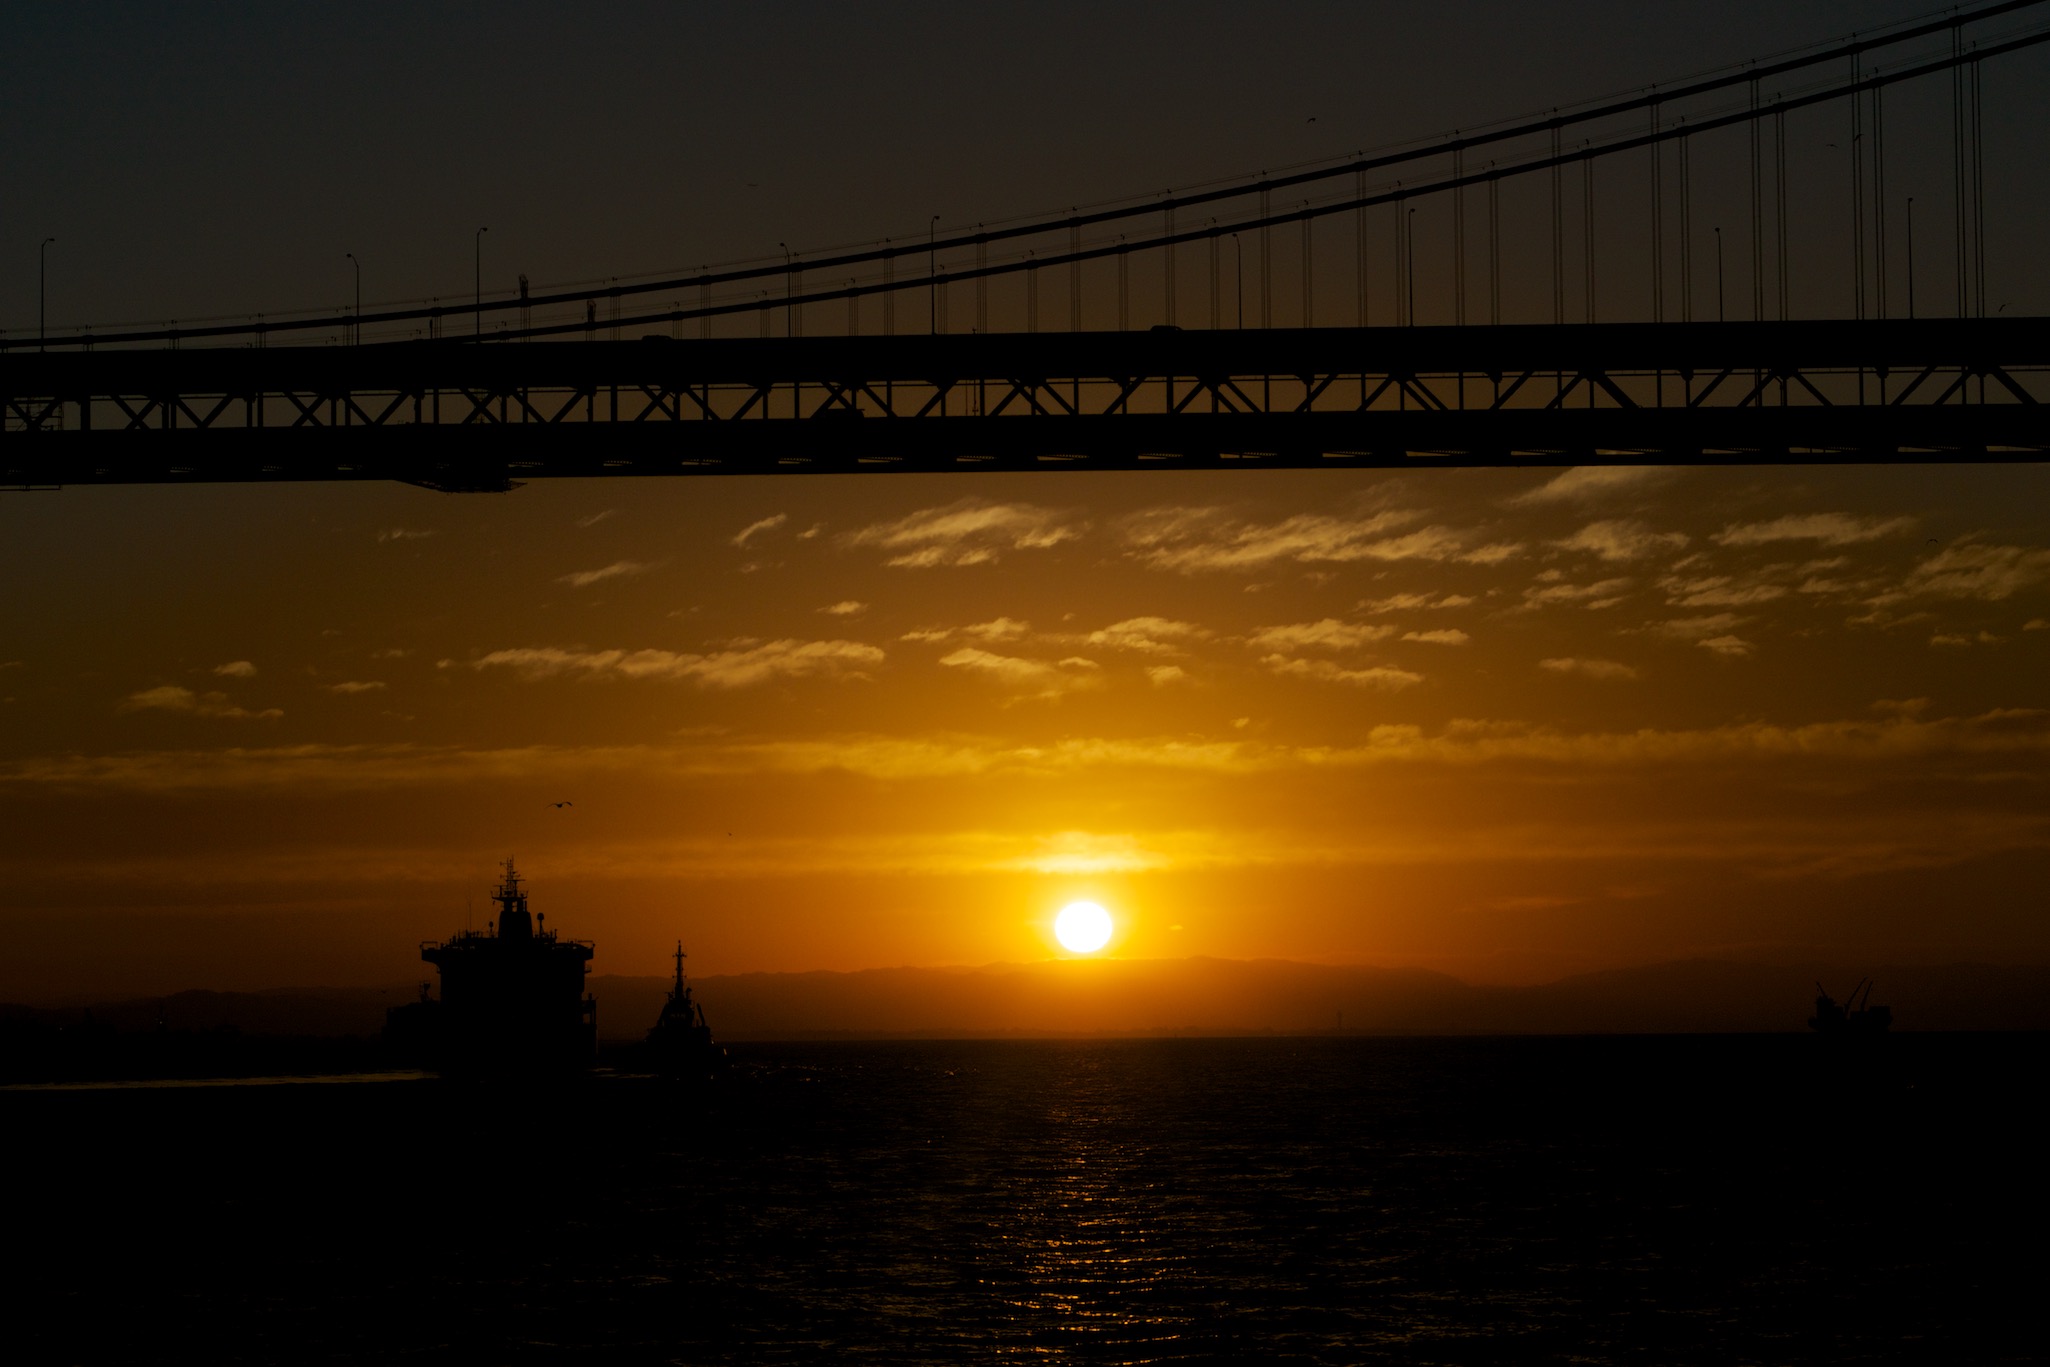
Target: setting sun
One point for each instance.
(1082, 927)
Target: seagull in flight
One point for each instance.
(560, 805)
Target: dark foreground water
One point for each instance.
(1671, 1200)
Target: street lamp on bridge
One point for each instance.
(477, 260)
(932, 274)
(356, 318)
(43, 291)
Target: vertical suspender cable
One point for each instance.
(1169, 250)
(1459, 240)
(1658, 227)
(1216, 304)
(1957, 165)
(1857, 197)
(1757, 210)
(1779, 200)
(1401, 263)
(1124, 287)
(1978, 196)
(1686, 228)
(1879, 200)
(1359, 244)
(1266, 264)
(1558, 237)
(1587, 230)
(981, 285)
(1409, 263)
(1308, 313)
(1495, 250)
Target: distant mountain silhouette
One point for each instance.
(1169, 996)
(1206, 996)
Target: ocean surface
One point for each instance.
(1722, 1200)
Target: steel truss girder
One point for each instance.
(1680, 393)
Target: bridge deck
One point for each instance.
(460, 415)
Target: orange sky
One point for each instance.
(1506, 724)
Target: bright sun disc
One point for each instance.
(1082, 927)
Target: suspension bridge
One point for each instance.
(1533, 293)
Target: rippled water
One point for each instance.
(1316, 1201)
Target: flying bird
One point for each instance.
(560, 805)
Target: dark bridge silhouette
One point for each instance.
(1163, 358)
(472, 418)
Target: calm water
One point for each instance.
(1753, 1200)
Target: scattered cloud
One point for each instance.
(1719, 591)
(1604, 593)
(1497, 553)
(356, 686)
(847, 607)
(1589, 669)
(2036, 624)
(1830, 529)
(1413, 602)
(402, 534)
(1328, 634)
(739, 667)
(1974, 570)
(1449, 636)
(1148, 635)
(1034, 677)
(172, 698)
(1727, 645)
(1163, 675)
(236, 669)
(595, 518)
(618, 569)
(1620, 540)
(969, 532)
(996, 629)
(1895, 732)
(811, 533)
(1324, 671)
(1984, 638)
(754, 529)
(1195, 539)
(1589, 483)
(1697, 628)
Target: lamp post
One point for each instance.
(43, 291)
(1719, 275)
(789, 292)
(1238, 311)
(1911, 256)
(357, 328)
(932, 274)
(477, 261)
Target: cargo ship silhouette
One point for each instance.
(513, 1004)
(512, 1000)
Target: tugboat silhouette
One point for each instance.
(680, 1045)
(1854, 1017)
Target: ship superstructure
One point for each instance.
(512, 997)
